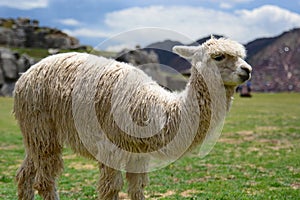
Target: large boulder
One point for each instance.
(61, 41)
(9, 65)
(12, 65)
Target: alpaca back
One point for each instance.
(45, 96)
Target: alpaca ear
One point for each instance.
(185, 51)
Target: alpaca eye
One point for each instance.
(218, 57)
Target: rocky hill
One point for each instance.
(24, 32)
(276, 62)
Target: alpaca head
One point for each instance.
(226, 54)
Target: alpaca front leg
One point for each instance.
(136, 184)
(110, 183)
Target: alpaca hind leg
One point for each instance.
(49, 167)
(48, 162)
(110, 183)
(25, 179)
(136, 184)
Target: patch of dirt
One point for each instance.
(213, 177)
(201, 179)
(76, 189)
(123, 196)
(295, 186)
(71, 156)
(9, 147)
(230, 141)
(78, 165)
(250, 136)
(242, 137)
(293, 169)
(188, 193)
(251, 183)
(251, 191)
(162, 195)
(168, 193)
(267, 128)
(276, 145)
(247, 135)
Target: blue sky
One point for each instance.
(95, 21)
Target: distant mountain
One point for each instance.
(166, 45)
(255, 46)
(168, 58)
(276, 62)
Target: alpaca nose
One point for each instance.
(247, 69)
(246, 72)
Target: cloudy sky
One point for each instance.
(96, 22)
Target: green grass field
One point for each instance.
(256, 157)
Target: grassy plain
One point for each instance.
(256, 157)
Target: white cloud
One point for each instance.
(242, 25)
(193, 22)
(24, 4)
(190, 21)
(119, 47)
(233, 1)
(225, 5)
(142, 37)
(69, 22)
(118, 40)
(88, 32)
(268, 20)
(271, 16)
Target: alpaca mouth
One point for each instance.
(245, 77)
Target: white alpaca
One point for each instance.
(87, 102)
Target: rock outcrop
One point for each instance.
(24, 32)
(276, 62)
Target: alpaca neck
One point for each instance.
(229, 96)
(208, 118)
(197, 86)
(198, 105)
